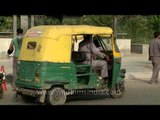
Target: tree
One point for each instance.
(98, 20)
(5, 23)
(139, 28)
(46, 20)
(136, 26)
(154, 22)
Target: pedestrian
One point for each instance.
(15, 47)
(154, 57)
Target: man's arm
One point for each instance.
(149, 53)
(96, 51)
(11, 48)
(159, 45)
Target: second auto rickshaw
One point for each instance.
(50, 66)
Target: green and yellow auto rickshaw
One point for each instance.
(50, 66)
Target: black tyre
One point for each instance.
(117, 92)
(56, 96)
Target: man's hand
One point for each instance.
(9, 51)
(107, 58)
(94, 56)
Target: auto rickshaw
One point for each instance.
(50, 67)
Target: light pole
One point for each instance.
(115, 27)
(14, 25)
(32, 21)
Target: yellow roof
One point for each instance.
(55, 31)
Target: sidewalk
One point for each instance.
(137, 67)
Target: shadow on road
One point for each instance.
(146, 64)
(9, 79)
(87, 97)
(132, 77)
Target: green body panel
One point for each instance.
(68, 74)
(49, 73)
(115, 73)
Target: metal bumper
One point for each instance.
(30, 92)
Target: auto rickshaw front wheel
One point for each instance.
(56, 96)
(117, 91)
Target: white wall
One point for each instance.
(124, 46)
(4, 45)
(145, 49)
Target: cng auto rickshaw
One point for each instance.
(50, 67)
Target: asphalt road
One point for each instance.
(138, 90)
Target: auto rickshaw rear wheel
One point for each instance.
(56, 96)
(117, 91)
(1, 92)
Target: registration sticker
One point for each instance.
(34, 33)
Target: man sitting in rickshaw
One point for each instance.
(88, 47)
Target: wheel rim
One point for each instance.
(117, 92)
(57, 96)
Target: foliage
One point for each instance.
(136, 26)
(139, 28)
(46, 20)
(99, 20)
(5, 23)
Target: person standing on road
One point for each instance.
(154, 57)
(15, 46)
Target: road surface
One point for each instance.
(138, 90)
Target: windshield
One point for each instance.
(103, 42)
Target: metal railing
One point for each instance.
(6, 34)
(122, 35)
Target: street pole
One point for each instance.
(115, 27)
(14, 25)
(32, 20)
(24, 23)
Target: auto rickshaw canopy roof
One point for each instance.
(53, 43)
(55, 31)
